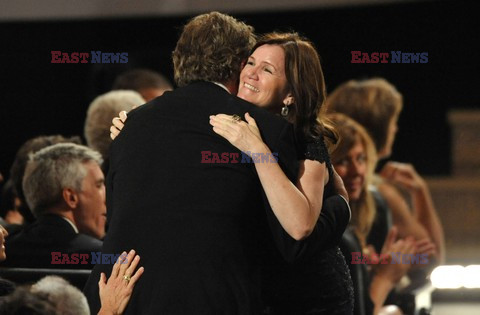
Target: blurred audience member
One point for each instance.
(354, 159)
(376, 105)
(22, 302)
(148, 83)
(99, 118)
(64, 186)
(10, 216)
(115, 292)
(3, 236)
(18, 167)
(67, 299)
(6, 287)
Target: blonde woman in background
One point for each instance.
(354, 159)
(376, 105)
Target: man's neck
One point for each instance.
(230, 85)
(63, 211)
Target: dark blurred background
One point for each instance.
(38, 97)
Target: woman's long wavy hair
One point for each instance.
(306, 84)
(350, 133)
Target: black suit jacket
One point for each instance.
(200, 228)
(33, 246)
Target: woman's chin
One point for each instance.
(354, 195)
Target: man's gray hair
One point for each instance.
(100, 114)
(52, 169)
(68, 300)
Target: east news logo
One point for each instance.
(385, 57)
(85, 57)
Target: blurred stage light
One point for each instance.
(456, 276)
(448, 277)
(471, 277)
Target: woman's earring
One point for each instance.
(285, 108)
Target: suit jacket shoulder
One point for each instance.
(33, 246)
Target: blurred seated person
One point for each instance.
(66, 299)
(10, 217)
(115, 292)
(18, 169)
(148, 83)
(6, 287)
(376, 105)
(354, 159)
(23, 301)
(99, 118)
(64, 186)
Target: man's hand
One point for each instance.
(403, 175)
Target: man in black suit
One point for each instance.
(64, 186)
(180, 195)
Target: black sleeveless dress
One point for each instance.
(319, 282)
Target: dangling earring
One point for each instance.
(285, 108)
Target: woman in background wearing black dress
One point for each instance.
(284, 76)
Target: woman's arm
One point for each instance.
(296, 207)
(424, 212)
(387, 274)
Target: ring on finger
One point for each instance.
(236, 118)
(126, 278)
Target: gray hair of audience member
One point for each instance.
(23, 301)
(17, 170)
(211, 47)
(52, 169)
(68, 300)
(138, 79)
(100, 114)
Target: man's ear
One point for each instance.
(242, 65)
(70, 197)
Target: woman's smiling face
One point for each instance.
(352, 168)
(263, 81)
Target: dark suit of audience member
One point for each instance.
(35, 245)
